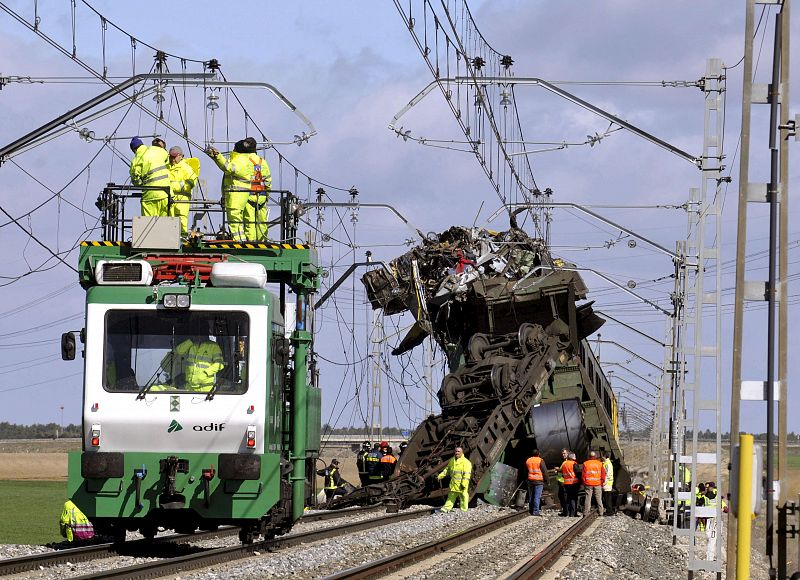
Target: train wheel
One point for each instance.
(149, 531)
(528, 336)
(478, 345)
(246, 536)
(501, 376)
(118, 534)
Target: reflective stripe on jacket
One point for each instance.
(332, 478)
(150, 166)
(608, 485)
(74, 524)
(361, 461)
(199, 363)
(240, 169)
(712, 502)
(182, 178)
(460, 472)
(534, 465)
(373, 464)
(592, 473)
(568, 472)
(387, 464)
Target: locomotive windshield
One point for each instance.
(188, 351)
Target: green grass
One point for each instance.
(793, 461)
(31, 510)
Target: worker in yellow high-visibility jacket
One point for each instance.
(608, 484)
(459, 468)
(150, 167)
(74, 524)
(245, 188)
(193, 364)
(182, 179)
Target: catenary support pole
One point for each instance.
(301, 339)
(741, 234)
(745, 510)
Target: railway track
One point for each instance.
(529, 570)
(211, 557)
(534, 567)
(143, 547)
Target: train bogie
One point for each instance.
(184, 492)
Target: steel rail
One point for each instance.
(97, 551)
(333, 515)
(534, 567)
(206, 558)
(425, 551)
(86, 553)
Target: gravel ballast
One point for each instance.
(330, 556)
(500, 551)
(99, 565)
(619, 547)
(628, 549)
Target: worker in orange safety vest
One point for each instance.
(593, 478)
(537, 478)
(571, 484)
(388, 462)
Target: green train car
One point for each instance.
(197, 409)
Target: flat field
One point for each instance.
(31, 511)
(33, 475)
(36, 459)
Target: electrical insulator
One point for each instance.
(212, 104)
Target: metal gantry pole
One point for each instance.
(741, 233)
(376, 376)
(677, 366)
(773, 290)
(428, 346)
(783, 306)
(663, 466)
(697, 382)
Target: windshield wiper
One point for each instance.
(210, 395)
(148, 385)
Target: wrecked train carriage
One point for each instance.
(473, 281)
(507, 317)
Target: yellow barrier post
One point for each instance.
(745, 515)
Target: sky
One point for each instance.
(350, 67)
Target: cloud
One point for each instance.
(350, 68)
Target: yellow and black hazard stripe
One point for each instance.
(223, 245)
(248, 246)
(114, 244)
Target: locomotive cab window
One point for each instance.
(184, 352)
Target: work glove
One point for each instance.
(211, 151)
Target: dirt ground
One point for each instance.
(33, 466)
(46, 459)
(36, 459)
(637, 454)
